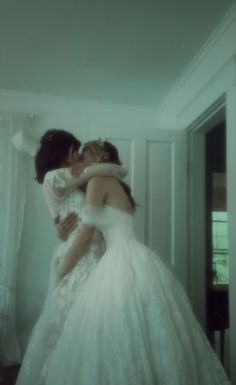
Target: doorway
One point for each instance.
(217, 271)
(207, 207)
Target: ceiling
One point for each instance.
(123, 51)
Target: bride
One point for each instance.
(55, 162)
(131, 322)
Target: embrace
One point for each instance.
(114, 313)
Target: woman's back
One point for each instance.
(109, 191)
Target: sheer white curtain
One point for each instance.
(13, 170)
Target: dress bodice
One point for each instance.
(73, 202)
(115, 224)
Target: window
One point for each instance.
(220, 247)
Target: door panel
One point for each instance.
(157, 165)
(159, 203)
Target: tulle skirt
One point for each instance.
(58, 304)
(132, 324)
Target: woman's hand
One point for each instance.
(78, 249)
(78, 169)
(67, 225)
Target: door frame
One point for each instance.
(196, 133)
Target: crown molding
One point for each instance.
(225, 24)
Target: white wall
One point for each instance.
(39, 238)
(207, 78)
(80, 115)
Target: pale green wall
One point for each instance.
(39, 237)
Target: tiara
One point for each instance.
(100, 141)
(49, 138)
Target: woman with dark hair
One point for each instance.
(58, 170)
(54, 152)
(131, 323)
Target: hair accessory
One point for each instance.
(49, 138)
(100, 141)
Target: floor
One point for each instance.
(8, 375)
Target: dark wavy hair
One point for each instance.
(106, 152)
(53, 151)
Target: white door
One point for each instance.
(157, 165)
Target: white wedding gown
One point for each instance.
(131, 322)
(63, 197)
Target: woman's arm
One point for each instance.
(66, 226)
(95, 197)
(79, 248)
(57, 182)
(82, 175)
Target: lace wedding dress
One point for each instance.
(63, 197)
(131, 322)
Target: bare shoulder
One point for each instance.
(99, 182)
(96, 190)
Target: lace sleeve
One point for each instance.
(55, 187)
(58, 181)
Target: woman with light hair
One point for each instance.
(131, 322)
